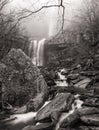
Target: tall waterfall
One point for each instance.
(34, 55)
(38, 52)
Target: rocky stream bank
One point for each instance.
(61, 99)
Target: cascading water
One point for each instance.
(34, 60)
(38, 52)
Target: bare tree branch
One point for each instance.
(28, 12)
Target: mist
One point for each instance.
(47, 22)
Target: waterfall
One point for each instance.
(38, 52)
(34, 60)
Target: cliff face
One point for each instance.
(63, 52)
(56, 54)
(20, 79)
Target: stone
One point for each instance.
(20, 79)
(83, 128)
(36, 103)
(92, 119)
(70, 120)
(88, 111)
(91, 102)
(88, 73)
(48, 77)
(88, 128)
(96, 91)
(20, 110)
(55, 116)
(41, 126)
(62, 102)
(83, 83)
(73, 76)
(67, 128)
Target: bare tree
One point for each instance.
(24, 13)
(10, 31)
(90, 20)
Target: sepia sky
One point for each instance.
(45, 23)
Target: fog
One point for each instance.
(46, 23)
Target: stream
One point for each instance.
(19, 121)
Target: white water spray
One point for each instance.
(34, 60)
(19, 121)
(38, 52)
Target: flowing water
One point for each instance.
(62, 80)
(34, 59)
(76, 105)
(19, 121)
(40, 52)
(37, 48)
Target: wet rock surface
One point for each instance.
(62, 102)
(41, 126)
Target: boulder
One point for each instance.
(88, 128)
(73, 76)
(20, 79)
(88, 111)
(83, 83)
(67, 128)
(62, 102)
(70, 120)
(48, 77)
(36, 103)
(89, 73)
(91, 102)
(91, 119)
(41, 126)
(55, 116)
(83, 128)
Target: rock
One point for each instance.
(92, 119)
(41, 126)
(55, 116)
(96, 65)
(20, 110)
(73, 76)
(87, 128)
(92, 102)
(62, 102)
(20, 79)
(96, 91)
(84, 128)
(67, 128)
(48, 77)
(88, 111)
(83, 83)
(88, 73)
(36, 103)
(70, 120)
